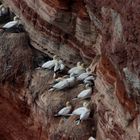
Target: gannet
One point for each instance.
(85, 93)
(83, 112)
(55, 81)
(89, 80)
(84, 75)
(12, 24)
(50, 64)
(68, 82)
(74, 68)
(71, 80)
(78, 70)
(59, 66)
(65, 111)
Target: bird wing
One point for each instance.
(71, 81)
(90, 78)
(72, 70)
(84, 93)
(79, 111)
(85, 115)
(64, 111)
(57, 66)
(10, 24)
(79, 71)
(82, 76)
(61, 85)
(62, 66)
(49, 65)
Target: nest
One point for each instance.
(15, 56)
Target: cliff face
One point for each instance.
(104, 33)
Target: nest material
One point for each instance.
(15, 56)
(51, 102)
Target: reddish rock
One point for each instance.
(71, 30)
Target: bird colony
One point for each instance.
(14, 26)
(78, 74)
(74, 76)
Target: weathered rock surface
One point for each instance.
(104, 32)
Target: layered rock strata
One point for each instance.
(104, 32)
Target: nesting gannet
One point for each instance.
(50, 64)
(74, 68)
(59, 66)
(84, 75)
(83, 112)
(55, 81)
(79, 70)
(85, 93)
(15, 23)
(65, 111)
(68, 82)
(89, 80)
(71, 80)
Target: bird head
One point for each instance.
(87, 85)
(16, 18)
(55, 57)
(86, 104)
(88, 69)
(68, 103)
(60, 61)
(78, 64)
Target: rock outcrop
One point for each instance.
(103, 33)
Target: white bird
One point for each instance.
(85, 93)
(65, 111)
(74, 68)
(68, 82)
(91, 138)
(59, 66)
(79, 70)
(89, 80)
(12, 24)
(50, 64)
(84, 75)
(71, 80)
(57, 80)
(83, 112)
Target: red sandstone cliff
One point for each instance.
(104, 32)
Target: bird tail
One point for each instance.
(52, 89)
